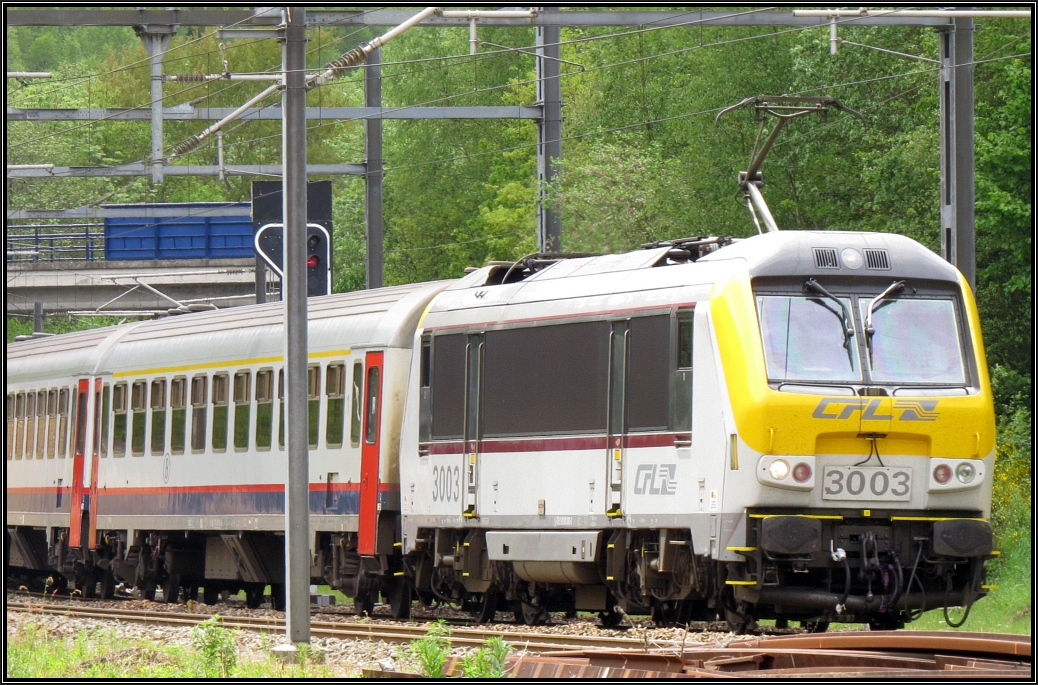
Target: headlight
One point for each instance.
(779, 469)
(965, 473)
(802, 472)
(942, 473)
(851, 258)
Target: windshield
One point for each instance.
(804, 339)
(915, 341)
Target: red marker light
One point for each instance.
(942, 474)
(802, 473)
(312, 261)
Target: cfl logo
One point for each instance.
(656, 479)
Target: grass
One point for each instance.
(33, 653)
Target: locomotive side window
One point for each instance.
(62, 422)
(569, 364)
(681, 387)
(356, 405)
(335, 389)
(425, 399)
(448, 386)
(119, 420)
(41, 423)
(198, 411)
(52, 423)
(158, 416)
(648, 374)
(138, 407)
(9, 420)
(313, 401)
(264, 408)
(177, 414)
(371, 423)
(30, 424)
(241, 410)
(220, 412)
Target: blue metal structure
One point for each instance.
(195, 235)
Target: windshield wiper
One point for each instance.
(845, 316)
(895, 287)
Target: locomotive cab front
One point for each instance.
(862, 410)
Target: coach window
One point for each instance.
(371, 429)
(281, 409)
(448, 386)
(158, 416)
(335, 389)
(41, 423)
(63, 422)
(355, 404)
(177, 414)
(681, 385)
(119, 420)
(313, 397)
(568, 363)
(139, 422)
(264, 408)
(242, 404)
(9, 413)
(52, 423)
(199, 407)
(19, 431)
(220, 382)
(106, 399)
(30, 424)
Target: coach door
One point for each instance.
(473, 421)
(97, 450)
(79, 437)
(369, 454)
(616, 444)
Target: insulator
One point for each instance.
(188, 78)
(187, 146)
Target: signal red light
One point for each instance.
(312, 261)
(802, 472)
(942, 474)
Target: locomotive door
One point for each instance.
(79, 435)
(369, 454)
(473, 420)
(616, 443)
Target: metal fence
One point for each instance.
(55, 242)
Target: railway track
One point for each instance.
(852, 654)
(404, 633)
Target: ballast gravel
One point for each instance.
(344, 656)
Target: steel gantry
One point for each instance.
(156, 26)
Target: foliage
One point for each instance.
(489, 661)
(58, 324)
(433, 650)
(214, 646)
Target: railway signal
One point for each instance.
(269, 246)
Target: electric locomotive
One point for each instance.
(797, 426)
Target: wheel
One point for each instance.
(611, 618)
(364, 604)
(171, 589)
(485, 610)
(740, 624)
(191, 591)
(277, 596)
(254, 595)
(398, 593)
(665, 614)
(108, 585)
(148, 589)
(211, 593)
(816, 626)
(534, 615)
